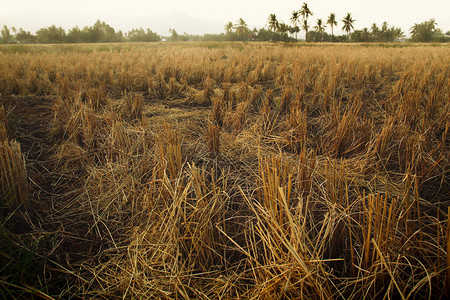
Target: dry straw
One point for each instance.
(14, 179)
(329, 178)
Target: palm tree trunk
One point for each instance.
(295, 25)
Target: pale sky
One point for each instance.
(202, 16)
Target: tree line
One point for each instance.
(426, 31)
(276, 30)
(100, 32)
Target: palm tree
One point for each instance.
(398, 33)
(242, 29)
(319, 27)
(273, 22)
(294, 19)
(283, 28)
(332, 22)
(229, 27)
(375, 31)
(305, 12)
(348, 24)
(305, 26)
(242, 23)
(424, 31)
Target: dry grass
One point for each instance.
(14, 174)
(13, 171)
(235, 171)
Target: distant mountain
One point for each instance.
(160, 24)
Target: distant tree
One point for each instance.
(348, 24)
(242, 30)
(140, 35)
(293, 30)
(319, 27)
(75, 35)
(265, 35)
(7, 37)
(283, 28)
(221, 37)
(108, 33)
(25, 37)
(254, 34)
(305, 27)
(294, 20)
(319, 30)
(424, 32)
(100, 32)
(51, 35)
(273, 23)
(241, 24)
(121, 38)
(92, 34)
(229, 28)
(174, 35)
(363, 35)
(305, 12)
(229, 31)
(386, 33)
(375, 31)
(268, 35)
(319, 36)
(14, 30)
(332, 22)
(398, 33)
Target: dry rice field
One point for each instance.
(225, 171)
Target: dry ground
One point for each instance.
(225, 171)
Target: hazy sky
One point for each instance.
(202, 16)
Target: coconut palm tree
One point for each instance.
(332, 22)
(305, 27)
(272, 22)
(375, 31)
(294, 19)
(229, 27)
(241, 25)
(283, 28)
(398, 32)
(348, 24)
(424, 31)
(319, 27)
(305, 12)
(242, 29)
